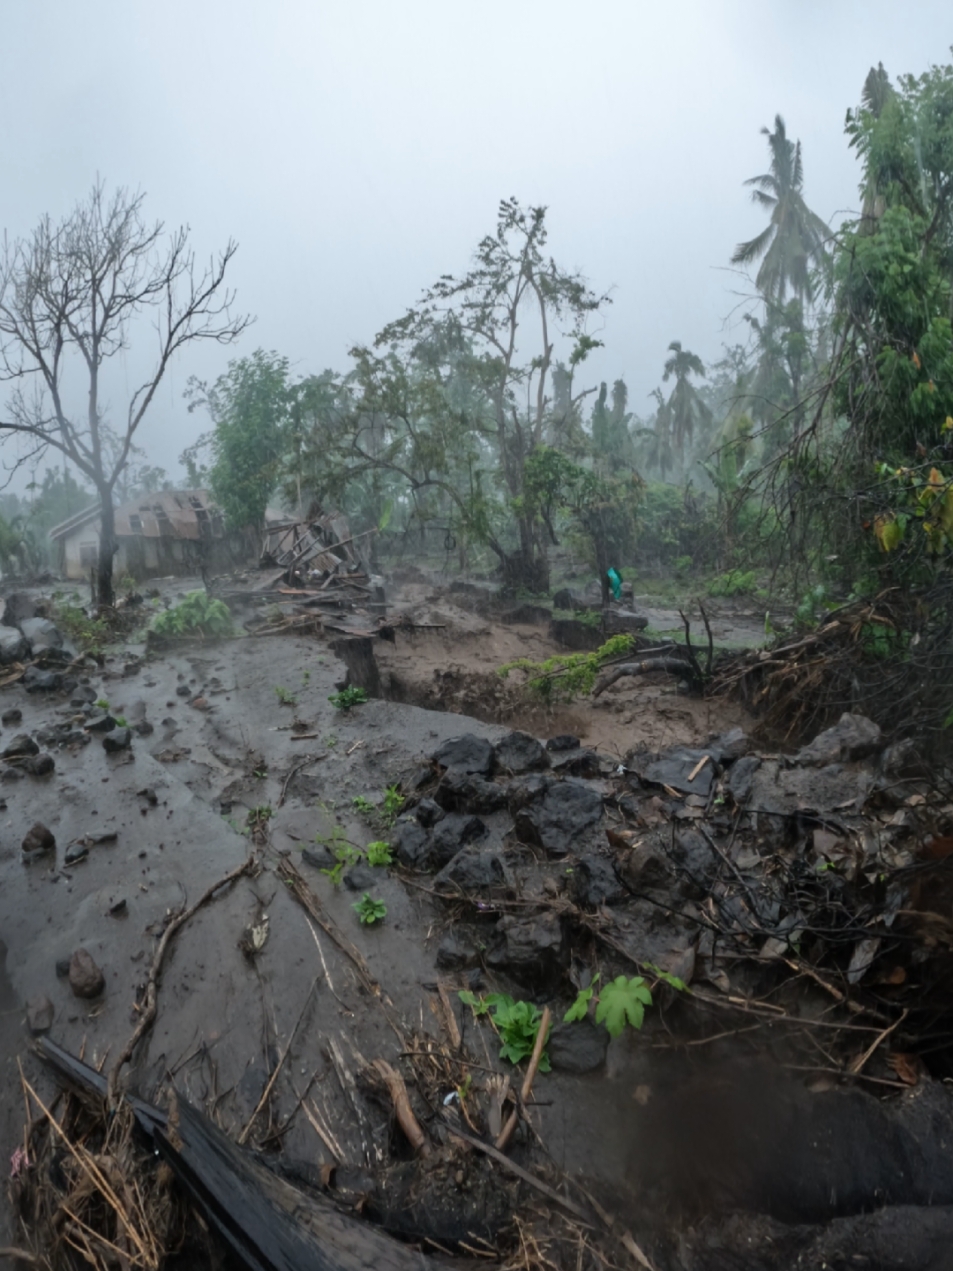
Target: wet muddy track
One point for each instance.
(672, 1138)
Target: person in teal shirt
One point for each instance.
(615, 582)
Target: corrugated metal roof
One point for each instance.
(183, 514)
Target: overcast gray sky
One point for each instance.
(358, 150)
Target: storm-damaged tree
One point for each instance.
(71, 296)
(793, 247)
(456, 395)
(250, 406)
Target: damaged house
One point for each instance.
(166, 532)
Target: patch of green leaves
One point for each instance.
(623, 1001)
(580, 1008)
(285, 696)
(516, 1022)
(370, 910)
(348, 697)
(379, 853)
(566, 675)
(362, 805)
(196, 614)
(735, 583)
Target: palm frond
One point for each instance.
(745, 253)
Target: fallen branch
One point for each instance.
(149, 1010)
(397, 1090)
(673, 665)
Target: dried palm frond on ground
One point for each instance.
(88, 1193)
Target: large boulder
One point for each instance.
(451, 835)
(465, 792)
(533, 950)
(519, 752)
(852, 737)
(561, 818)
(17, 608)
(472, 871)
(578, 1047)
(467, 754)
(594, 883)
(13, 646)
(41, 633)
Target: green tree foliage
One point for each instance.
(612, 445)
(453, 398)
(250, 407)
(793, 245)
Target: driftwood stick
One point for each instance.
(397, 1090)
(854, 1068)
(694, 772)
(502, 1159)
(149, 1010)
(507, 1132)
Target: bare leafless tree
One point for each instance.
(70, 295)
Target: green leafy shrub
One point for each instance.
(370, 910)
(393, 802)
(348, 697)
(735, 583)
(76, 624)
(516, 1022)
(620, 1002)
(566, 675)
(196, 614)
(379, 853)
(362, 805)
(285, 696)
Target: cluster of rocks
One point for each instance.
(27, 635)
(519, 829)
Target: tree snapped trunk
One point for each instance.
(107, 549)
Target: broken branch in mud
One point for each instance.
(149, 1009)
(397, 1090)
(671, 663)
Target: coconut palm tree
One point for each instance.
(686, 409)
(795, 238)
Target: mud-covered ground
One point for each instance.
(705, 1134)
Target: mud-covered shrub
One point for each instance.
(196, 614)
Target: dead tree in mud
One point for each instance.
(70, 295)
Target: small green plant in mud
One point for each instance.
(102, 704)
(516, 1022)
(392, 805)
(379, 853)
(567, 675)
(369, 911)
(622, 1001)
(121, 721)
(344, 852)
(285, 696)
(305, 678)
(348, 697)
(196, 614)
(331, 741)
(362, 805)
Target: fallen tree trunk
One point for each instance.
(270, 1225)
(673, 665)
